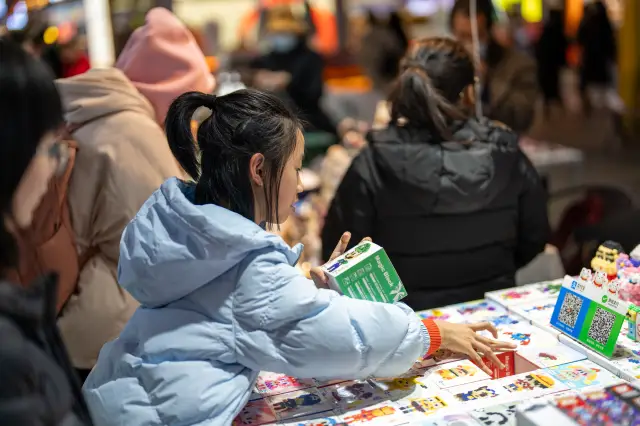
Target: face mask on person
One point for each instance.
(283, 43)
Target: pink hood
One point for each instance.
(163, 61)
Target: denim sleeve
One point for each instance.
(284, 324)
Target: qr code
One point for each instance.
(570, 309)
(601, 326)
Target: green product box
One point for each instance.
(365, 272)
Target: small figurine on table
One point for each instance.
(606, 258)
(614, 286)
(632, 320)
(586, 275)
(600, 280)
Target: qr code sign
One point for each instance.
(570, 309)
(601, 326)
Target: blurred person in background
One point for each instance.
(507, 76)
(551, 52)
(74, 57)
(381, 49)
(452, 199)
(38, 384)
(292, 70)
(597, 41)
(123, 156)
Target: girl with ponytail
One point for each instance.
(451, 198)
(220, 297)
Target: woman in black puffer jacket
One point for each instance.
(37, 382)
(452, 199)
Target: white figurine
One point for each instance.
(614, 286)
(586, 275)
(601, 279)
(635, 253)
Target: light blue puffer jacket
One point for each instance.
(220, 301)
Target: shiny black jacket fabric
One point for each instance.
(37, 382)
(457, 217)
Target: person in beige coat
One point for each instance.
(123, 156)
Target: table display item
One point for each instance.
(594, 316)
(607, 406)
(539, 357)
(365, 272)
(583, 374)
(606, 258)
(525, 294)
(299, 403)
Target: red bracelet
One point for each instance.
(434, 334)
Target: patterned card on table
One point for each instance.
(403, 387)
(429, 404)
(457, 419)
(455, 374)
(582, 374)
(353, 394)
(442, 314)
(516, 296)
(526, 335)
(383, 414)
(330, 418)
(535, 383)
(548, 356)
(299, 403)
(502, 414)
(480, 394)
(275, 384)
(479, 310)
(255, 413)
(541, 309)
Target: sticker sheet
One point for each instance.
(354, 394)
(536, 383)
(483, 392)
(525, 336)
(579, 375)
(426, 405)
(442, 314)
(456, 419)
(299, 403)
(516, 296)
(385, 413)
(330, 418)
(255, 413)
(479, 310)
(539, 310)
(455, 374)
(550, 356)
(497, 415)
(275, 383)
(404, 387)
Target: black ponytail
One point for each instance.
(178, 128)
(434, 75)
(242, 124)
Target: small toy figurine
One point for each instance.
(614, 286)
(601, 279)
(606, 258)
(630, 288)
(632, 320)
(635, 256)
(586, 275)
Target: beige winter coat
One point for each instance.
(123, 157)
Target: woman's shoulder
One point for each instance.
(493, 132)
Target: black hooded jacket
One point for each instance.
(38, 386)
(457, 218)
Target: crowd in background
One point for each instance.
(452, 198)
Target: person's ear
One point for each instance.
(256, 169)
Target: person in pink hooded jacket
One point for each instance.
(123, 156)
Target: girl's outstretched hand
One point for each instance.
(318, 276)
(464, 339)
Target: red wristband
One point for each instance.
(434, 334)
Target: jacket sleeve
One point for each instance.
(352, 208)
(533, 222)
(517, 107)
(284, 324)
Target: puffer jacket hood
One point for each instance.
(462, 175)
